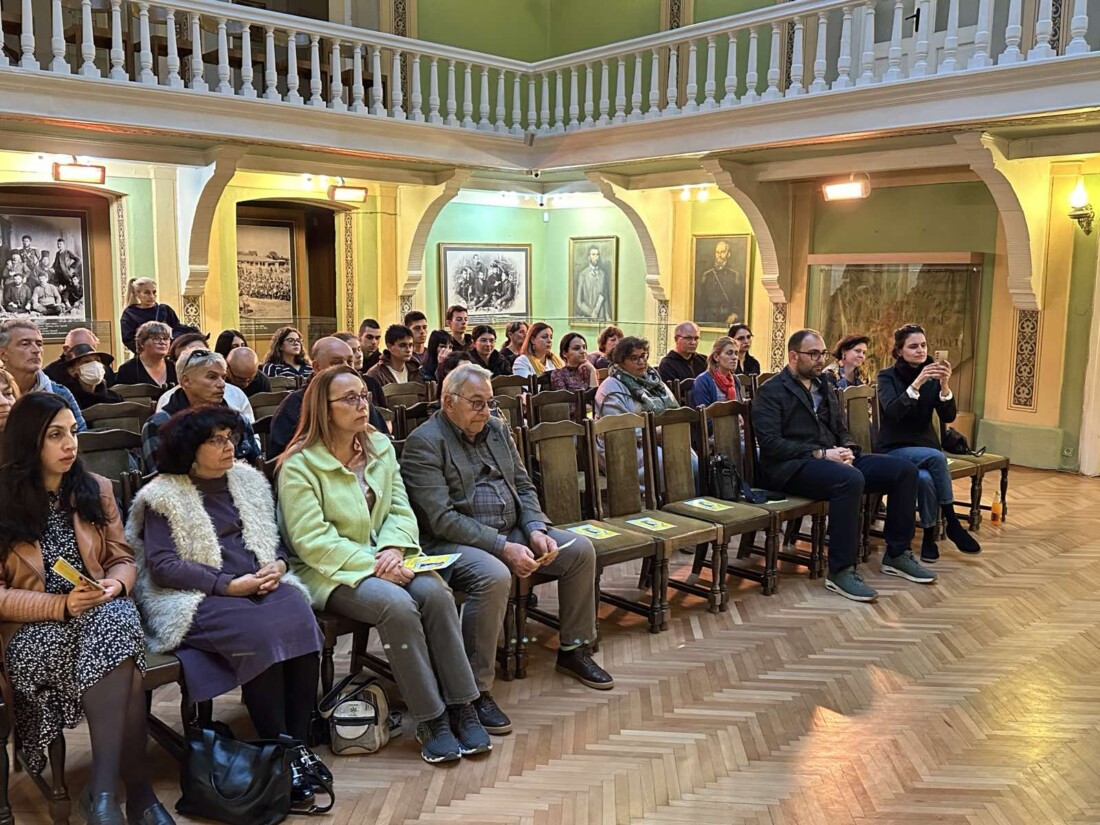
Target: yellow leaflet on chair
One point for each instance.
(707, 504)
(592, 531)
(421, 564)
(650, 523)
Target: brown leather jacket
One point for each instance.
(23, 577)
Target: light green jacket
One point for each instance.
(332, 535)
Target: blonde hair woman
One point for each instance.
(9, 394)
(718, 383)
(141, 307)
(346, 517)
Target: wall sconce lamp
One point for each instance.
(347, 194)
(848, 190)
(79, 172)
(1080, 208)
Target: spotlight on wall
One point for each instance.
(1080, 208)
(702, 194)
(347, 194)
(79, 173)
(847, 190)
(685, 193)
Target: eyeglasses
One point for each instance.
(478, 404)
(688, 337)
(163, 338)
(353, 400)
(403, 345)
(813, 354)
(637, 358)
(222, 441)
(292, 340)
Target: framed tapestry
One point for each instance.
(593, 276)
(267, 270)
(45, 272)
(493, 281)
(722, 267)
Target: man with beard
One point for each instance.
(721, 290)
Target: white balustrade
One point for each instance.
(654, 109)
(1044, 31)
(377, 108)
(498, 116)
(57, 41)
(949, 61)
(605, 100)
(795, 87)
(172, 61)
(982, 37)
(358, 91)
(468, 97)
(730, 86)
(224, 86)
(247, 89)
(544, 108)
(1014, 32)
(292, 93)
(588, 108)
(635, 92)
(844, 59)
(867, 59)
(672, 91)
(924, 23)
(691, 101)
(751, 75)
(26, 36)
(198, 83)
(315, 98)
(517, 105)
(433, 92)
(416, 95)
(336, 82)
(483, 108)
(893, 56)
(820, 62)
(452, 100)
(559, 105)
(574, 108)
(772, 92)
(87, 44)
(1078, 28)
(710, 85)
(271, 68)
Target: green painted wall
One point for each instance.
(575, 25)
(467, 223)
(139, 214)
(518, 29)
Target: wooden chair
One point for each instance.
(266, 403)
(541, 383)
(556, 451)
(126, 415)
(790, 507)
(405, 395)
(411, 417)
(682, 391)
(139, 392)
(115, 455)
(280, 383)
(262, 428)
(552, 405)
(672, 432)
(514, 385)
(433, 390)
(632, 505)
(976, 468)
(601, 373)
(859, 405)
(389, 417)
(511, 409)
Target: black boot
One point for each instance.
(958, 534)
(929, 552)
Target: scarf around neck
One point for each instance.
(727, 384)
(907, 372)
(648, 390)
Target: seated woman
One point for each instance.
(151, 364)
(484, 352)
(9, 394)
(71, 650)
(575, 373)
(85, 376)
(719, 382)
(438, 348)
(214, 584)
(538, 352)
(229, 340)
(742, 336)
(514, 335)
(850, 352)
(287, 355)
(346, 517)
(141, 308)
(908, 393)
(605, 343)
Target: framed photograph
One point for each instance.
(493, 281)
(44, 268)
(593, 275)
(722, 265)
(266, 270)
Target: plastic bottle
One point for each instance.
(997, 508)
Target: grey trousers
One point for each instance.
(486, 581)
(419, 628)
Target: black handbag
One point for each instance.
(955, 443)
(232, 781)
(726, 483)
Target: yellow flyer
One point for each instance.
(421, 564)
(650, 523)
(592, 531)
(707, 504)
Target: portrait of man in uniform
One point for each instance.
(721, 279)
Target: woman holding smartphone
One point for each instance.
(908, 393)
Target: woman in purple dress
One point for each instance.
(213, 584)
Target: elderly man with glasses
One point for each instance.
(805, 449)
(472, 495)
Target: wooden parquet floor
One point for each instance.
(974, 701)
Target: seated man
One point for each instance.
(58, 369)
(805, 449)
(326, 352)
(46, 298)
(202, 381)
(21, 354)
(233, 395)
(683, 361)
(472, 495)
(243, 371)
(397, 365)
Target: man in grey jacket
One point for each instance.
(472, 495)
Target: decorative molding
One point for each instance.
(1056, 17)
(779, 337)
(224, 160)
(675, 14)
(649, 248)
(1025, 360)
(406, 305)
(662, 326)
(121, 250)
(414, 268)
(192, 310)
(349, 271)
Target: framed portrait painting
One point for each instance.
(722, 267)
(593, 275)
(266, 270)
(493, 281)
(45, 272)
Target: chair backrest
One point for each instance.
(283, 382)
(398, 446)
(433, 390)
(857, 406)
(262, 428)
(266, 403)
(405, 395)
(138, 392)
(671, 432)
(551, 405)
(511, 407)
(682, 391)
(587, 407)
(271, 467)
(553, 449)
(601, 373)
(514, 385)
(126, 415)
(107, 452)
(411, 417)
(626, 494)
(722, 422)
(541, 382)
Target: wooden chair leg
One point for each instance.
(723, 587)
(771, 560)
(520, 655)
(717, 576)
(744, 549)
(59, 793)
(645, 577)
(328, 666)
(1004, 494)
(817, 552)
(596, 595)
(660, 583)
(977, 483)
(510, 636)
(700, 560)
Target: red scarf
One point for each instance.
(727, 384)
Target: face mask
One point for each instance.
(91, 373)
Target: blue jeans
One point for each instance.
(934, 481)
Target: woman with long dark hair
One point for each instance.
(742, 336)
(437, 350)
(287, 355)
(228, 340)
(71, 649)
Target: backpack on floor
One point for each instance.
(358, 714)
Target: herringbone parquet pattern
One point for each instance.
(971, 701)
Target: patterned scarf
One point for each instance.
(648, 390)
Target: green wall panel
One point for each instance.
(575, 25)
(139, 224)
(519, 29)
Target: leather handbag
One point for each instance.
(358, 715)
(955, 443)
(726, 483)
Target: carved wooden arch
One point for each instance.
(414, 267)
(649, 248)
(223, 165)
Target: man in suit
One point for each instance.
(472, 495)
(720, 294)
(805, 449)
(592, 301)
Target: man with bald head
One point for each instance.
(243, 371)
(326, 352)
(682, 360)
(58, 370)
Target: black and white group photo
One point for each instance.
(491, 281)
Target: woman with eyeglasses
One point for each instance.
(215, 586)
(151, 365)
(742, 336)
(141, 308)
(344, 512)
(538, 352)
(909, 392)
(287, 355)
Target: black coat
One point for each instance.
(286, 418)
(788, 430)
(674, 367)
(905, 421)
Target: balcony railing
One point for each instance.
(808, 47)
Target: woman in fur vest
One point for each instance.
(213, 583)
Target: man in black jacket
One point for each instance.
(805, 449)
(683, 361)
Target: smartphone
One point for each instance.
(940, 355)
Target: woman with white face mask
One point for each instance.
(85, 373)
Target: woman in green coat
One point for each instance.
(344, 513)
